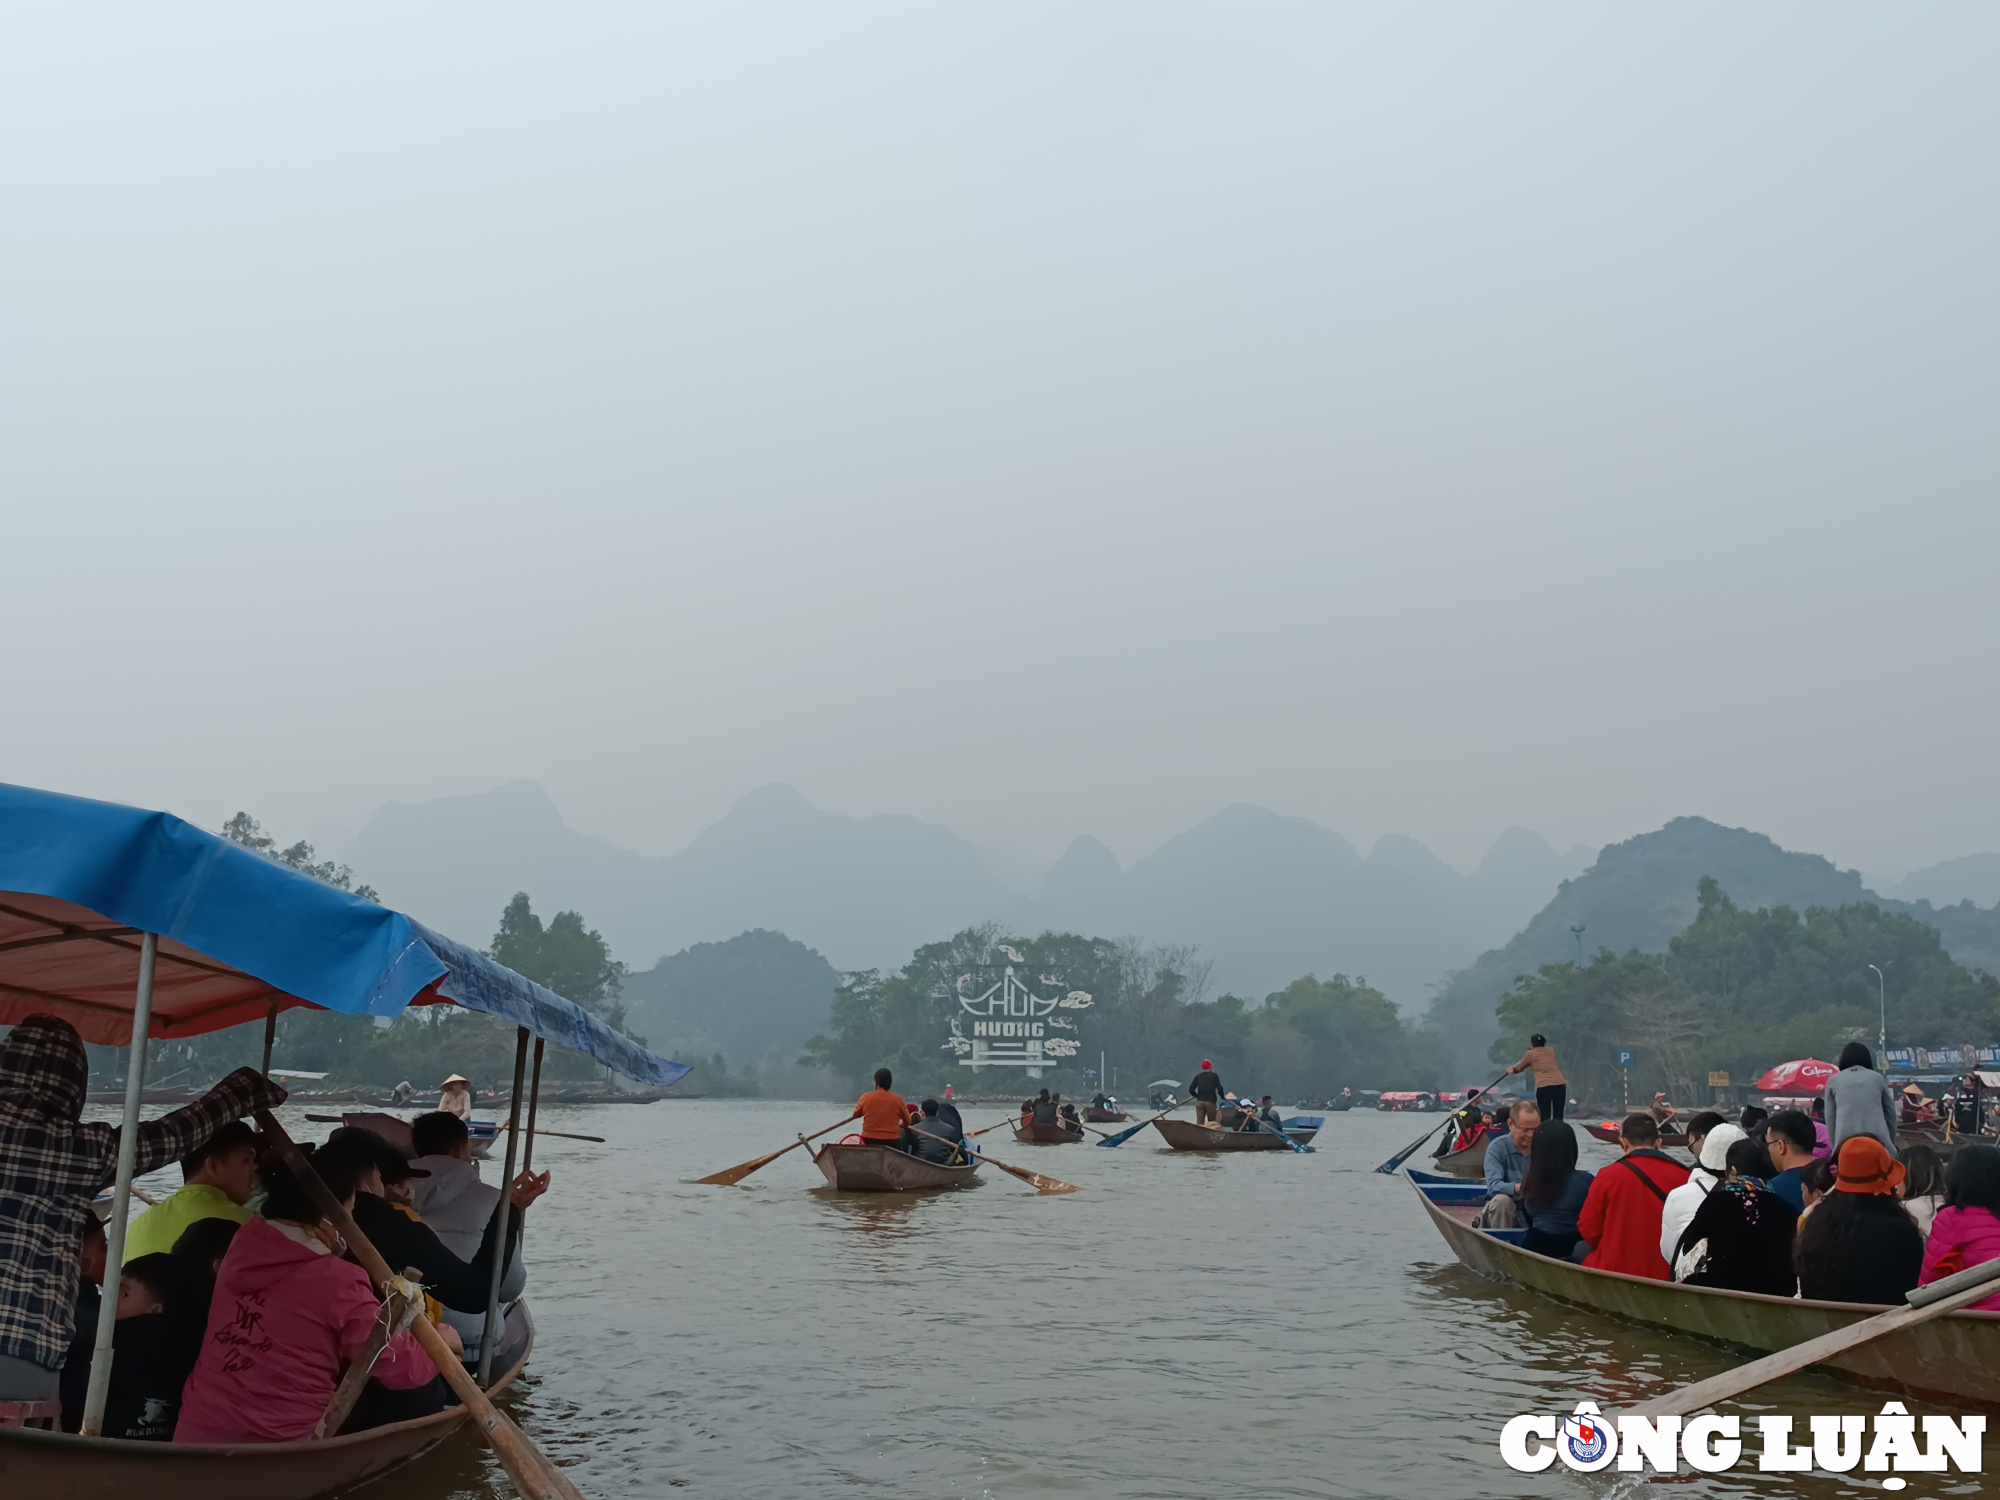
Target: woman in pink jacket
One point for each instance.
(288, 1311)
(1966, 1232)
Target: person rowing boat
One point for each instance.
(883, 1113)
(1206, 1091)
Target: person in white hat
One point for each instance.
(1712, 1154)
(455, 1096)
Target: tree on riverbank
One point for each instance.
(1739, 990)
(424, 1043)
(1148, 1013)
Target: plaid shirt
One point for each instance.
(52, 1166)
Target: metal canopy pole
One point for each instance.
(270, 1036)
(486, 1339)
(121, 1194)
(534, 1101)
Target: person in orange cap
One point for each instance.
(1860, 1244)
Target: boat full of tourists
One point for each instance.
(1183, 1135)
(1955, 1358)
(856, 1166)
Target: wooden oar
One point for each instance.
(1010, 1120)
(1125, 1135)
(1034, 1179)
(1257, 1125)
(1946, 1295)
(1410, 1150)
(564, 1134)
(531, 1471)
(733, 1175)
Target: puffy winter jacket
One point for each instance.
(1621, 1217)
(285, 1315)
(1962, 1238)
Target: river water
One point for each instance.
(1185, 1326)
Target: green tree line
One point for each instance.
(1738, 991)
(1148, 1014)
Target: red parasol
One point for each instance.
(1806, 1076)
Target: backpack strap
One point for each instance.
(1653, 1187)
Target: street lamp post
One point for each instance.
(1882, 1036)
(1577, 932)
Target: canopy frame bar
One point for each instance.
(486, 1340)
(121, 1194)
(116, 938)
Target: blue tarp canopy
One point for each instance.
(81, 882)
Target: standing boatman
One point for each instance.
(1206, 1091)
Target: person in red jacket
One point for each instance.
(1621, 1217)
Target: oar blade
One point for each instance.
(1036, 1180)
(730, 1176)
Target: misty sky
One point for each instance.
(1041, 419)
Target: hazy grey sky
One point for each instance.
(1042, 419)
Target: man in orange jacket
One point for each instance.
(1620, 1218)
(882, 1114)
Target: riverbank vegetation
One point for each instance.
(1740, 990)
(1148, 1013)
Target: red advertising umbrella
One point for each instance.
(1806, 1076)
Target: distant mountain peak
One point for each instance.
(776, 799)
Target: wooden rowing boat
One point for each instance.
(1047, 1135)
(1608, 1133)
(63, 1466)
(1099, 1116)
(1954, 1359)
(884, 1169)
(481, 1134)
(1470, 1161)
(1183, 1136)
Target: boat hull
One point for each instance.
(883, 1169)
(1954, 1359)
(1468, 1163)
(1098, 1116)
(64, 1466)
(1046, 1135)
(1183, 1136)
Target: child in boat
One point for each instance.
(288, 1311)
(152, 1350)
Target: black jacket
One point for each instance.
(1207, 1085)
(460, 1285)
(935, 1140)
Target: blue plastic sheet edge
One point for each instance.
(476, 982)
(158, 873)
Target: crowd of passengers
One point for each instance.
(238, 1305)
(1782, 1204)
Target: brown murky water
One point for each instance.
(1257, 1325)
